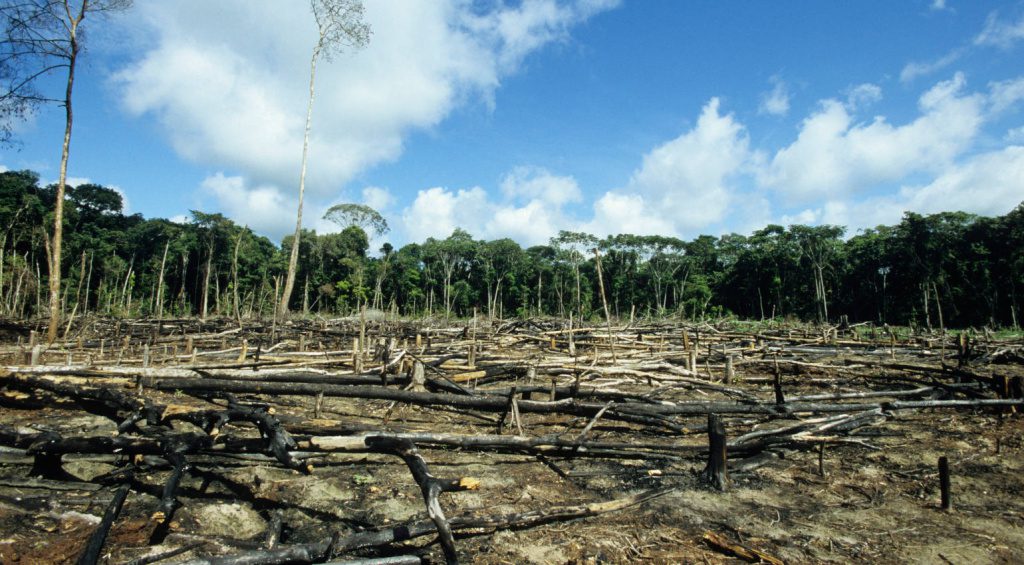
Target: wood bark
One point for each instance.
(58, 209)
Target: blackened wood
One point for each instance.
(91, 554)
(467, 524)
(780, 398)
(508, 409)
(430, 486)
(716, 471)
(274, 529)
(947, 502)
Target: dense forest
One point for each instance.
(950, 269)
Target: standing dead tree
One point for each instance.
(339, 24)
(44, 37)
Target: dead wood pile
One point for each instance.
(152, 420)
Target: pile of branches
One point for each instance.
(639, 379)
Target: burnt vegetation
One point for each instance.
(462, 400)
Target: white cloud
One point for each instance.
(616, 213)
(532, 211)
(537, 183)
(436, 212)
(996, 33)
(262, 206)
(775, 101)
(532, 224)
(179, 219)
(1006, 94)
(1015, 135)
(75, 181)
(378, 198)
(863, 95)
(3, 169)
(709, 179)
(689, 180)
(808, 216)
(1000, 33)
(989, 184)
(834, 155)
(234, 96)
(914, 70)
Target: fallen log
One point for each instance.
(618, 410)
(465, 525)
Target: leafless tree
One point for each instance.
(340, 25)
(44, 37)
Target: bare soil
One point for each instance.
(874, 499)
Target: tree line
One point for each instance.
(950, 269)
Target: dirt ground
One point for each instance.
(875, 497)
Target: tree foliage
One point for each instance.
(950, 268)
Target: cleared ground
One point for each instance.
(559, 450)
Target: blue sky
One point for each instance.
(518, 119)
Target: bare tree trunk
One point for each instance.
(217, 309)
(293, 260)
(540, 280)
(604, 301)
(206, 282)
(39, 284)
(579, 294)
(305, 297)
(124, 299)
(234, 278)
(58, 210)
(447, 296)
(561, 300)
(160, 283)
(88, 284)
(927, 314)
(81, 279)
(824, 297)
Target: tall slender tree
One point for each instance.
(44, 37)
(339, 25)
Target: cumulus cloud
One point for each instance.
(531, 212)
(776, 101)
(690, 179)
(234, 97)
(834, 154)
(537, 183)
(532, 224)
(988, 184)
(436, 212)
(617, 212)
(255, 206)
(380, 199)
(939, 5)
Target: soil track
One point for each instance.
(555, 445)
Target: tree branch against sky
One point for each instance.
(339, 25)
(41, 37)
